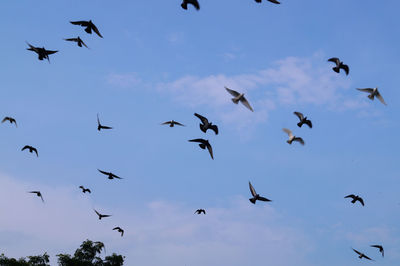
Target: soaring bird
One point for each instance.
(204, 144)
(172, 123)
(101, 215)
(37, 194)
(89, 26)
(361, 255)
(373, 92)
(339, 65)
(78, 40)
(42, 53)
(100, 126)
(303, 120)
(9, 119)
(380, 249)
(200, 211)
(205, 125)
(272, 1)
(119, 229)
(355, 198)
(195, 3)
(292, 137)
(255, 195)
(239, 97)
(109, 174)
(84, 190)
(31, 149)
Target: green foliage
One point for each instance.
(32, 261)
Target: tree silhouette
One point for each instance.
(32, 261)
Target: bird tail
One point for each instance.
(289, 141)
(203, 146)
(371, 97)
(235, 100)
(253, 200)
(299, 124)
(184, 5)
(202, 128)
(336, 69)
(88, 30)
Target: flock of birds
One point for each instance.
(204, 125)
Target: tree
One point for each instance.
(32, 261)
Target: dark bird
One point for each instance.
(84, 190)
(9, 119)
(255, 195)
(200, 211)
(31, 149)
(339, 65)
(37, 194)
(239, 97)
(373, 92)
(361, 255)
(78, 40)
(205, 125)
(42, 53)
(89, 26)
(204, 144)
(292, 137)
(303, 120)
(355, 198)
(119, 229)
(109, 174)
(101, 215)
(100, 126)
(172, 123)
(272, 1)
(195, 3)
(380, 249)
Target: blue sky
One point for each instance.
(158, 62)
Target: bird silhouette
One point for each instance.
(84, 190)
(200, 211)
(239, 97)
(42, 52)
(380, 249)
(205, 125)
(37, 194)
(172, 123)
(9, 119)
(355, 199)
(31, 149)
(339, 65)
(89, 26)
(109, 174)
(362, 255)
(373, 92)
(78, 40)
(204, 144)
(272, 1)
(303, 120)
(255, 195)
(195, 3)
(100, 126)
(101, 215)
(119, 229)
(292, 137)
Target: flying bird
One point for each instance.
(101, 215)
(172, 123)
(109, 174)
(380, 249)
(100, 126)
(204, 144)
(373, 92)
(255, 195)
(200, 211)
(119, 229)
(37, 194)
(31, 149)
(9, 119)
(355, 198)
(195, 3)
(89, 26)
(78, 40)
(272, 1)
(205, 125)
(292, 137)
(42, 52)
(339, 65)
(361, 255)
(239, 97)
(303, 120)
(84, 190)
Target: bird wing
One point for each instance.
(232, 92)
(71, 39)
(36, 192)
(179, 124)
(41, 197)
(32, 48)
(116, 176)
(84, 44)
(81, 187)
(345, 68)
(106, 215)
(166, 123)
(202, 118)
(103, 172)
(47, 52)
(25, 147)
(81, 23)
(214, 128)
(350, 196)
(198, 140)
(299, 115)
(117, 228)
(379, 96)
(209, 148)
(298, 139)
(4, 119)
(334, 60)
(369, 90)
(35, 150)
(252, 190)
(361, 201)
(98, 120)
(95, 29)
(356, 251)
(308, 123)
(195, 3)
(288, 131)
(97, 212)
(263, 199)
(246, 103)
(365, 256)
(106, 127)
(88, 190)
(274, 1)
